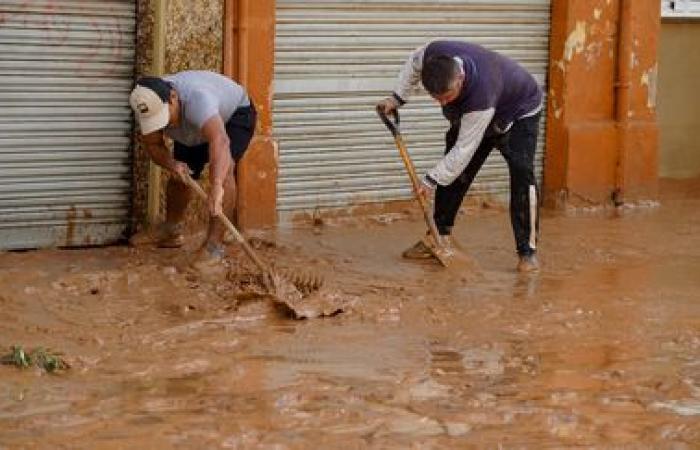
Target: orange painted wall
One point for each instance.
(595, 152)
(249, 34)
(592, 156)
(638, 136)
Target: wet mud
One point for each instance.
(601, 349)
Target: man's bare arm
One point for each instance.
(220, 161)
(155, 147)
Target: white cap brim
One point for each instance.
(155, 122)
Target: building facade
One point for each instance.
(73, 175)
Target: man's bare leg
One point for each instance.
(178, 197)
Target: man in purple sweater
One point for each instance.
(490, 101)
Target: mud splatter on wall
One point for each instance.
(144, 61)
(193, 40)
(194, 35)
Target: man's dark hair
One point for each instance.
(157, 85)
(438, 73)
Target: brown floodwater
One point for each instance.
(601, 349)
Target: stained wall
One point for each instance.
(602, 140)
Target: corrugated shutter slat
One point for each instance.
(335, 59)
(681, 9)
(66, 69)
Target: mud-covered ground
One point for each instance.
(601, 349)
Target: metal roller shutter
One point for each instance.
(680, 9)
(66, 69)
(335, 59)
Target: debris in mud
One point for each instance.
(322, 303)
(39, 357)
(684, 407)
(246, 284)
(306, 297)
(262, 243)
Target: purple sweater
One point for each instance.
(497, 91)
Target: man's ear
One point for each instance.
(173, 97)
(459, 79)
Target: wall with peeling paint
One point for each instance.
(194, 40)
(602, 135)
(679, 99)
(579, 165)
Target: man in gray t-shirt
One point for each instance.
(210, 119)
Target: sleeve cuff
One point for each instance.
(430, 181)
(398, 98)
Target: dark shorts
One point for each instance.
(239, 128)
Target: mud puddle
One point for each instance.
(601, 349)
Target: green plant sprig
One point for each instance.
(39, 357)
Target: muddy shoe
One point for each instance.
(209, 259)
(170, 236)
(171, 241)
(164, 236)
(420, 250)
(528, 264)
(451, 245)
(143, 237)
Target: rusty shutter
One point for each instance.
(66, 69)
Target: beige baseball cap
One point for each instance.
(151, 112)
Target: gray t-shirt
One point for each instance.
(202, 95)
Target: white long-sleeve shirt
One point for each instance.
(480, 111)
